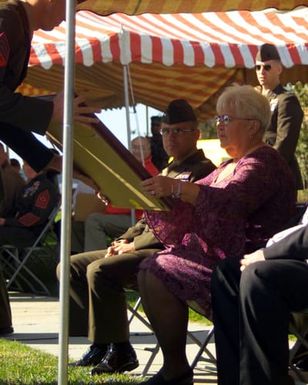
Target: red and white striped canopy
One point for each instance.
(213, 38)
(170, 55)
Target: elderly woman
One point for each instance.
(236, 208)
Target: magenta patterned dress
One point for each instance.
(230, 217)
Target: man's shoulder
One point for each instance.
(285, 93)
(289, 101)
(194, 167)
(201, 164)
(285, 98)
(201, 169)
(40, 182)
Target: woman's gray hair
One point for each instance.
(246, 102)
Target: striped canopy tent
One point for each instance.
(190, 56)
(146, 58)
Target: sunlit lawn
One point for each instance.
(22, 365)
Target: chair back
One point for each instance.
(19, 264)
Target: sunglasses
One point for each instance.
(267, 67)
(226, 119)
(175, 130)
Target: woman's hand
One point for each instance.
(163, 186)
(159, 186)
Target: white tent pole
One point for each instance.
(126, 99)
(67, 171)
(147, 120)
(125, 60)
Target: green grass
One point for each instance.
(22, 365)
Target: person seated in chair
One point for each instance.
(252, 310)
(32, 208)
(300, 359)
(36, 201)
(98, 278)
(238, 206)
(11, 185)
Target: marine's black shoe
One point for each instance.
(117, 360)
(91, 357)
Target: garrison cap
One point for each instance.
(178, 111)
(267, 52)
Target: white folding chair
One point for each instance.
(203, 352)
(13, 260)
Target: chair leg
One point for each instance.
(301, 341)
(202, 348)
(154, 351)
(134, 313)
(17, 273)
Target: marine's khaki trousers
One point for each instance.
(98, 302)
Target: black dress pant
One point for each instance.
(251, 318)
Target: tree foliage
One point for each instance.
(301, 91)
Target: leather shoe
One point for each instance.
(184, 379)
(117, 360)
(7, 330)
(91, 357)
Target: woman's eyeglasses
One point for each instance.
(267, 67)
(175, 130)
(226, 119)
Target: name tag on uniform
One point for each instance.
(184, 176)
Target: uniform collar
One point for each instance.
(196, 156)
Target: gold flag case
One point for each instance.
(100, 155)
